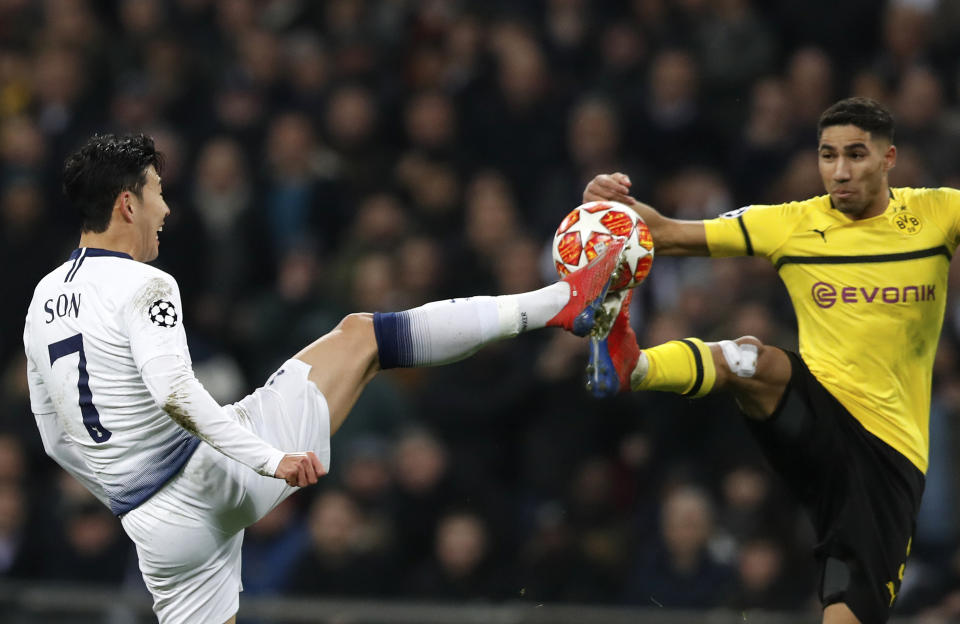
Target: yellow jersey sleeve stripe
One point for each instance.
(894, 257)
(746, 235)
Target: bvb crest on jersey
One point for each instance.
(163, 313)
(907, 223)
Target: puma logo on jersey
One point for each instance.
(733, 214)
(822, 233)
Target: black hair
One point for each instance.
(861, 112)
(104, 167)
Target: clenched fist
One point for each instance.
(300, 469)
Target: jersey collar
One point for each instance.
(833, 208)
(93, 252)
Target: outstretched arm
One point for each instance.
(671, 237)
(158, 344)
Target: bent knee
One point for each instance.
(752, 340)
(356, 331)
(771, 364)
(356, 323)
(737, 359)
(352, 338)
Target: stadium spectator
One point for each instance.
(679, 569)
(88, 544)
(922, 124)
(671, 128)
(271, 549)
(301, 202)
(423, 489)
(341, 560)
(462, 568)
(594, 142)
(21, 551)
(763, 149)
(764, 581)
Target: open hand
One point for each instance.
(609, 187)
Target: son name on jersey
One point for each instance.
(62, 306)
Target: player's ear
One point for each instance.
(124, 206)
(890, 158)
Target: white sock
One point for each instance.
(446, 331)
(530, 310)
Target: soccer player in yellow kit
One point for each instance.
(845, 421)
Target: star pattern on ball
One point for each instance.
(585, 230)
(163, 313)
(591, 222)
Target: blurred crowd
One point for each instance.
(374, 155)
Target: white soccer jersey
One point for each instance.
(92, 325)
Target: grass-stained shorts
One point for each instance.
(188, 535)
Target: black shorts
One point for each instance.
(862, 495)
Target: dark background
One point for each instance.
(373, 155)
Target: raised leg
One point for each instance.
(342, 364)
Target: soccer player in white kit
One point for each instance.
(118, 406)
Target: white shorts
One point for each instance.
(188, 535)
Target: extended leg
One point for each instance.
(757, 374)
(342, 364)
(344, 361)
(695, 368)
(446, 331)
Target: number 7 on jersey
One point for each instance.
(91, 417)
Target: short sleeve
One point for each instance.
(944, 206)
(154, 319)
(750, 231)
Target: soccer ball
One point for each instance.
(600, 222)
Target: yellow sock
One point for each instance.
(682, 366)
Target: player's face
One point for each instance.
(854, 169)
(151, 211)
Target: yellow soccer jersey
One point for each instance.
(869, 296)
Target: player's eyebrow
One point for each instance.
(848, 147)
